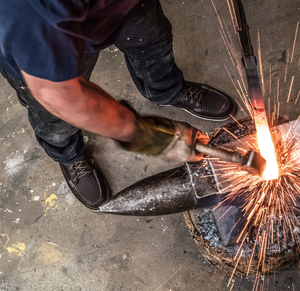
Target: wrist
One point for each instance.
(128, 132)
(151, 136)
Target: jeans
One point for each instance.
(145, 38)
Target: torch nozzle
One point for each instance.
(252, 162)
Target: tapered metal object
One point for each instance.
(169, 192)
(165, 193)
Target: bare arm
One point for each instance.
(84, 105)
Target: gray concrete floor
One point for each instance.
(49, 241)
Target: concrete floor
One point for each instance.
(49, 241)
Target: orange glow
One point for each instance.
(267, 150)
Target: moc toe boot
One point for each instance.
(87, 184)
(207, 103)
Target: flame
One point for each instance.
(267, 150)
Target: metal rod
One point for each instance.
(222, 154)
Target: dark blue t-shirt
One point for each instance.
(47, 38)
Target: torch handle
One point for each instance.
(222, 154)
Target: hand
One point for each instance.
(182, 147)
(171, 140)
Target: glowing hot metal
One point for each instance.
(267, 150)
(264, 138)
(265, 143)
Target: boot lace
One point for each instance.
(195, 94)
(79, 170)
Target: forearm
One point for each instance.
(87, 106)
(96, 111)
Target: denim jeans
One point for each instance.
(146, 41)
(145, 38)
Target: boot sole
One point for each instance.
(206, 118)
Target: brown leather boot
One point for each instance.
(207, 103)
(87, 184)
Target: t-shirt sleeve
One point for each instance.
(42, 50)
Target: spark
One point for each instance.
(241, 76)
(295, 41)
(235, 120)
(290, 89)
(226, 45)
(169, 176)
(260, 64)
(297, 97)
(227, 149)
(231, 16)
(242, 149)
(286, 67)
(230, 77)
(231, 134)
(269, 107)
(246, 101)
(169, 278)
(235, 267)
(270, 78)
(296, 121)
(217, 132)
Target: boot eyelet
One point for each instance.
(191, 101)
(197, 104)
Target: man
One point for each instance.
(48, 50)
